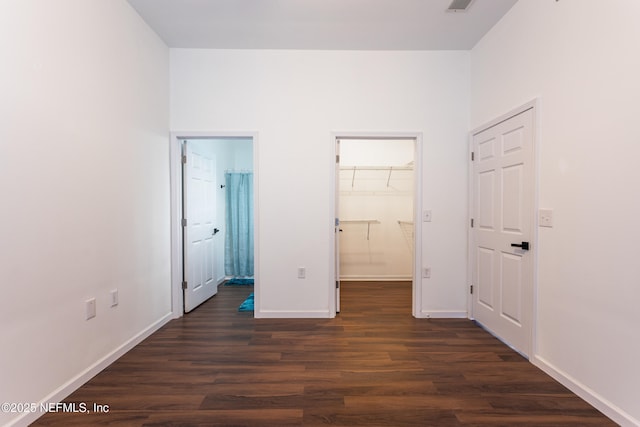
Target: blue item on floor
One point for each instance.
(238, 282)
(247, 305)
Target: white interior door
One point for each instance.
(337, 226)
(503, 186)
(200, 219)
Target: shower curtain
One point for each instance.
(238, 245)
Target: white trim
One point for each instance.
(416, 304)
(175, 177)
(79, 380)
(536, 207)
(594, 399)
(443, 314)
(417, 229)
(175, 154)
(531, 105)
(312, 314)
(518, 110)
(470, 239)
(354, 278)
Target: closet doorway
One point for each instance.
(213, 231)
(377, 182)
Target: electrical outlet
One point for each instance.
(114, 297)
(90, 308)
(302, 272)
(545, 218)
(426, 272)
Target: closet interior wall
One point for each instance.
(376, 181)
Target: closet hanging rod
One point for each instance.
(374, 168)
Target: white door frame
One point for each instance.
(533, 105)
(175, 165)
(416, 304)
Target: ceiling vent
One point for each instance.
(459, 5)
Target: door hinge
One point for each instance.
(471, 222)
(184, 285)
(337, 158)
(184, 160)
(473, 156)
(337, 284)
(184, 222)
(471, 289)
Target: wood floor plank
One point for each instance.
(373, 365)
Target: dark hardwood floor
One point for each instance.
(373, 365)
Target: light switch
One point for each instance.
(114, 297)
(426, 216)
(90, 308)
(545, 218)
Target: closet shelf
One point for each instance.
(374, 168)
(362, 221)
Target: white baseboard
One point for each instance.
(442, 314)
(276, 314)
(376, 278)
(79, 380)
(594, 399)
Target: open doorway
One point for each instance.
(213, 191)
(376, 202)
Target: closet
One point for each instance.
(375, 204)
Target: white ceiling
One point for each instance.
(320, 24)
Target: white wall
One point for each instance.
(581, 57)
(294, 100)
(84, 182)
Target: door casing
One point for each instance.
(416, 303)
(534, 106)
(175, 158)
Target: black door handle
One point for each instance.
(523, 245)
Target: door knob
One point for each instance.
(523, 245)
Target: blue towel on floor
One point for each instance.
(238, 282)
(247, 305)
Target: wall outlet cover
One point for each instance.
(545, 217)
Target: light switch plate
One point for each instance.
(114, 297)
(90, 308)
(545, 218)
(426, 216)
